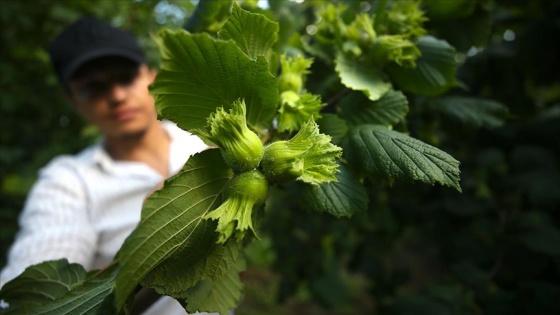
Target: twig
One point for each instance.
(335, 99)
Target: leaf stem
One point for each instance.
(104, 269)
(338, 96)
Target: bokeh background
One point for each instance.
(494, 249)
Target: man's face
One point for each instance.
(113, 94)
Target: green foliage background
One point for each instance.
(417, 249)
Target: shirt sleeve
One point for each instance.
(54, 223)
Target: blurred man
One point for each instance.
(84, 206)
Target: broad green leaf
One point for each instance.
(342, 198)
(434, 72)
(390, 109)
(172, 220)
(334, 126)
(208, 260)
(361, 76)
(199, 74)
(472, 111)
(43, 282)
(220, 295)
(394, 155)
(252, 32)
(208, 16)
(93, 296)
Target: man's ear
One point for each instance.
(71, 99)
(153, 75)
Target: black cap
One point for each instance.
(88, 39)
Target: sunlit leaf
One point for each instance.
(361, 76)
(199, 74)
(252, 32)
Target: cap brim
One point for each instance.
(102, 52)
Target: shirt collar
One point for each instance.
(101, 158)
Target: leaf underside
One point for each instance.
(208, 260)
(172, 220)
(220, 295)
(90, 296)
(43, 282)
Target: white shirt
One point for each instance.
(83, 207)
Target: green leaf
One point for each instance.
(390, 109)
(361, 76)
(93, 296)
(220, 295)
(187, 266)
(334, 126)
(472, 111)
(434, 72)
(172, 220)
(43, 282)
(340, 199)
(394, 155)
(252, 32)
(199, 73)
